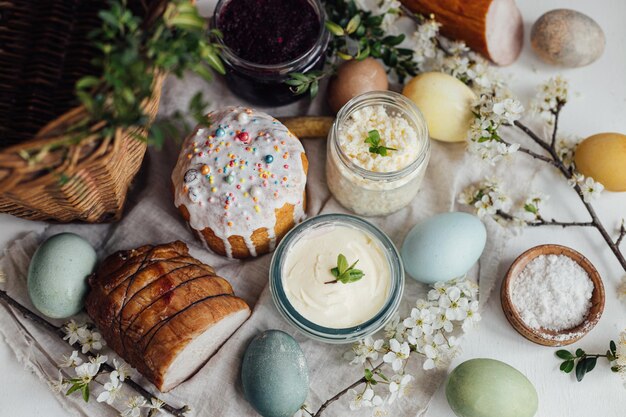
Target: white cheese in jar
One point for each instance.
(307, 277)
(394, 130)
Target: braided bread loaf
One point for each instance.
(163, 311)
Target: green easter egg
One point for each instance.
(490, 388)
(57, 275)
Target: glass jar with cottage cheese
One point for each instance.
(377, 152)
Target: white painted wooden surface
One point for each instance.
(597, 105)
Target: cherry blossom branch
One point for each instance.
(343, 392)
(556, 113)
(540, 221)
(568, 174)
(177, 412)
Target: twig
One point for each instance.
(342, 392)
(543, 222)
(622, 233)
(177, 412)
(556, 112)
(568, 174)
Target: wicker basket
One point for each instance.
(44, 50)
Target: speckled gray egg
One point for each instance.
(274, 374)
(57, 275)
(567, 38)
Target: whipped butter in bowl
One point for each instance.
(337, 278)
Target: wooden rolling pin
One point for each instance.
(493, 28)
(308, 127)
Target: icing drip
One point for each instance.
(233, 176)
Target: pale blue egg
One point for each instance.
(274, 374)
(443, 247)
(57, 275)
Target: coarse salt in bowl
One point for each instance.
(529, 305)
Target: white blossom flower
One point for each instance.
(549, 95)
(134, 405)
(455, 306)
(473, 316)
(370, 399)
(419, 322)
(122, 369)
(58, 385)
(434, 350)
(87, 371)
(399, 352)
(442, 321)
(365, 349)
(157, 405)
(440, 287)
(92, 342)
(399, 386)
(591, 189)
(509, 110)
(357, 400)
(74, 332)
(71, 361)
(111, 390)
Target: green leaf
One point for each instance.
(342, 263)
(393, 40)
(314, 88)
(74, 388)
(591, 363)
(564, 354)
(352, 276)
(85, 391)
(353, 24)
(344, 56)
(531, 208)
(87, 82)
(580, 353)
(613, 348)
(368, 375)
(214, 61)
(334, 28)
(567, 366)
(335, 272)
(581, 370)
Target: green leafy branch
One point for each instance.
(584, 362)
(356, 35)
(133, 55)
(344, 272)
(373, 138)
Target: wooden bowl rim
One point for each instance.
(544, 336)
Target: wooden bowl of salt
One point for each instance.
(551, 300)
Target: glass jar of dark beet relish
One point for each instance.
(266, 40)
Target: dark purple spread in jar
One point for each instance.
(265, 41)
(269, 31)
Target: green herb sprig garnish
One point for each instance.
(373, 138)
(344, 273)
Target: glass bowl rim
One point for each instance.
(346, 334)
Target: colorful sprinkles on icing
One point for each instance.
(228, 177)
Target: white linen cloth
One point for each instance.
(151, 218)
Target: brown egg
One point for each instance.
(354, 78)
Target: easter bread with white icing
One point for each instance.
(240, 182)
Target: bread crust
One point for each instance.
(151, 302)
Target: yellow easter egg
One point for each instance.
(603, 157)
(445, 102)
